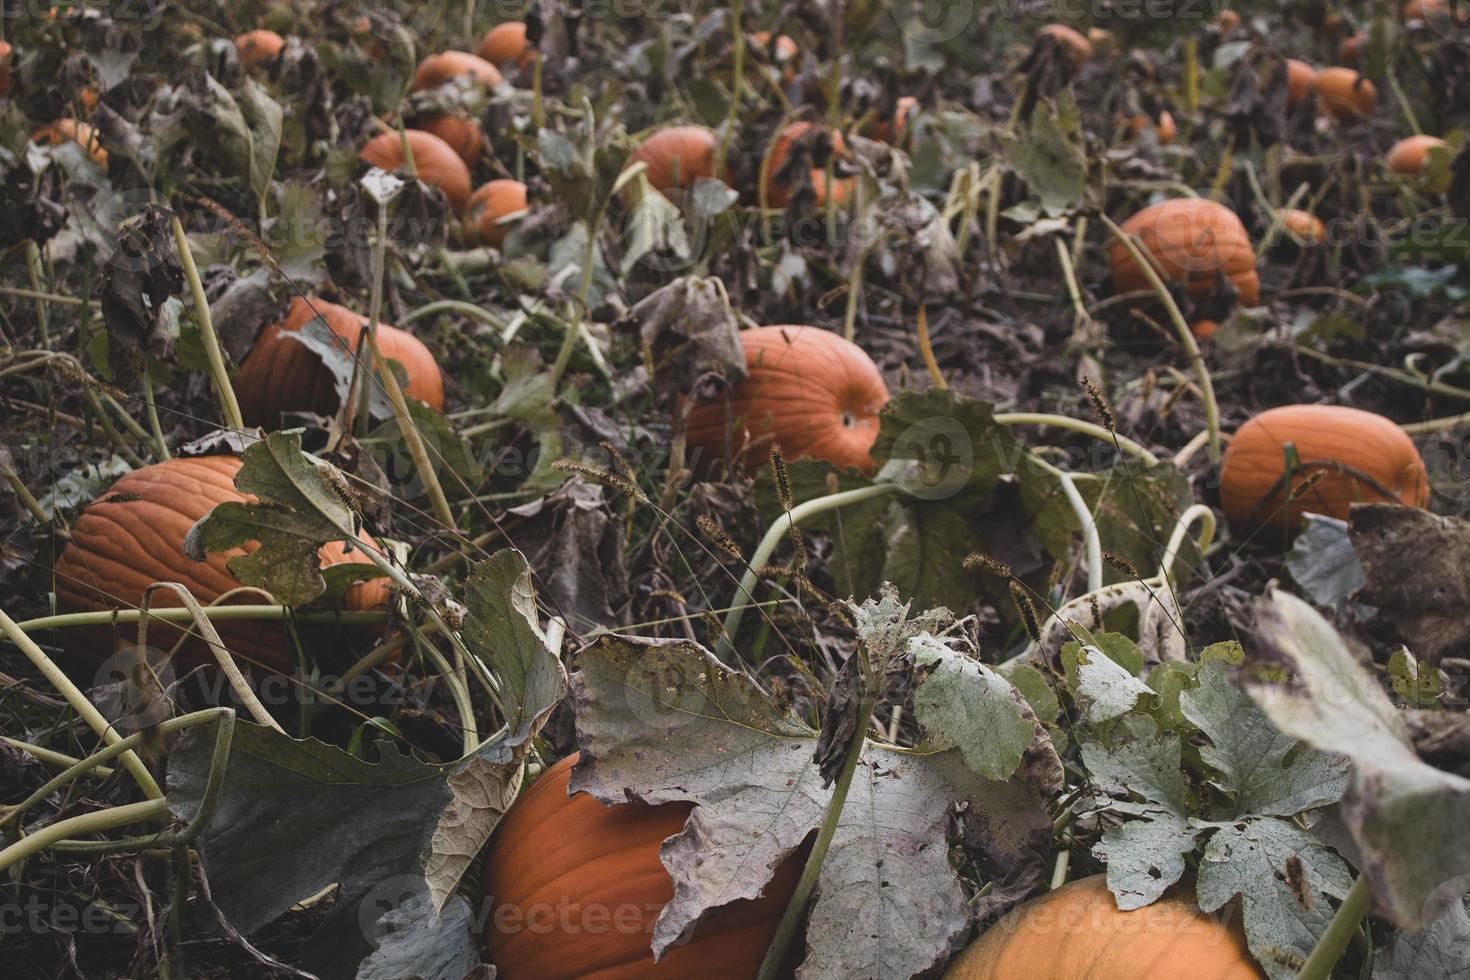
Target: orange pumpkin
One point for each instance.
(677, 156)
(258, 47)
(1345, 94)
(1301, 81)
(72, 131)
(439, 68)
(489, 204)
(1304, 225)
(1365, 457)
(893, 130)
(1077, 932)
(1228, 21)
(1410, 157)
(1193, 241)
(505, 44)
(463, 135)
(780, 194)
(808, 389)
(133, 536)
(1103, 41)
(1350, 51)
(1427, 11)
(1164, 130)
(783, 57)
(5, 51)
(434, 161)
(577, 886)
(1070, 41)
(281, 375)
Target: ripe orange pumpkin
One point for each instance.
(780, 194)
(70, 130)
(783, 57)
(133, 536)
(1350, 51)
(5, 52)
(808, 389)
(1409, 157)
(1365, 457)
(258, 47)
(1164, 130)
(1077, 932)
(1228, 21)
(462, 135)
(281, 375)
(489, 204)
(505, 44)
(893, 130)
(1304, 225)
(1193, 242)
(1301, 81)
(577, 886)
(677, 156)
(1345, 94)
(1074, 43)
(434, 161)
(439, 68)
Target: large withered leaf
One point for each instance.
(1415, 564)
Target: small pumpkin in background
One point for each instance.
(488, 205)
(1350, 51)
(1104, 42)
(1078, 931)
(1164, 129)
(1425, 11)
(439, 68)
(5, 53)
(505, 44)
(461, 134)
(1301, 81)
(783, 55)
(676, 157)
(1362, 456)
(281, 375)
(434, 161)
(1193, 242)
(1227, 21)
(575, 857)
(133, 535)
(893, 129)
(258, 47)
(1346, 95)
(808, 389)
(70, 130)
(1409, 157)
(1304, 226)
(1070, 41)
(825, 144)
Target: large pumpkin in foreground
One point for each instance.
(576, 887)
(1194, 242)
(1364, 458)
(677, 156)
(1077, 932)
(133, 536)
(282, 375)
(808, 389)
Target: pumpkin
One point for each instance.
(780, 194)
(1193, 241)
(1427, 11)
(1304, 225)
(133, 536)
(505, 44)
(893, 130)
(462, 135)
(490, 203)
(783, 56)
(1227, 21)
(1077, 932)
(1365, 457)
(72, 131)
(677, 156)
(577, 885)
(1070, 41)
(439, 68)
(1301, 81)
(5, 51)
(1164, 130)
(808, 389)
(258, 47)
(1345, 94)
(434, 161)
(1102, 40)
(1350, 51)
(1410, 157)
(281, 375)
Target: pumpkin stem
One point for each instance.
(1340, 930)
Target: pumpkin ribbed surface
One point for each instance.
(1077, 932)
(576, 887)
(1410, 156)
(281, 375)
(779, 194)
(677, 156)
(490, 203)
(1193, 241)
(1304, 225)
(1364, 457)
(505, 44)
(462, 135)
(808, 389)
(434, 161)
(258, 47)
(133, 536)
(439, 68)
(1345, 94)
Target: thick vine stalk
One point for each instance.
(1340, 930)
(221, 377)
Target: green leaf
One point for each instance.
(1323, 562)
(1105, 690)
(1035, 687)
(1140, 778)
(972, 707)
(263, 116)
(1050, 155)
(1416, 685)
(1440, 950)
